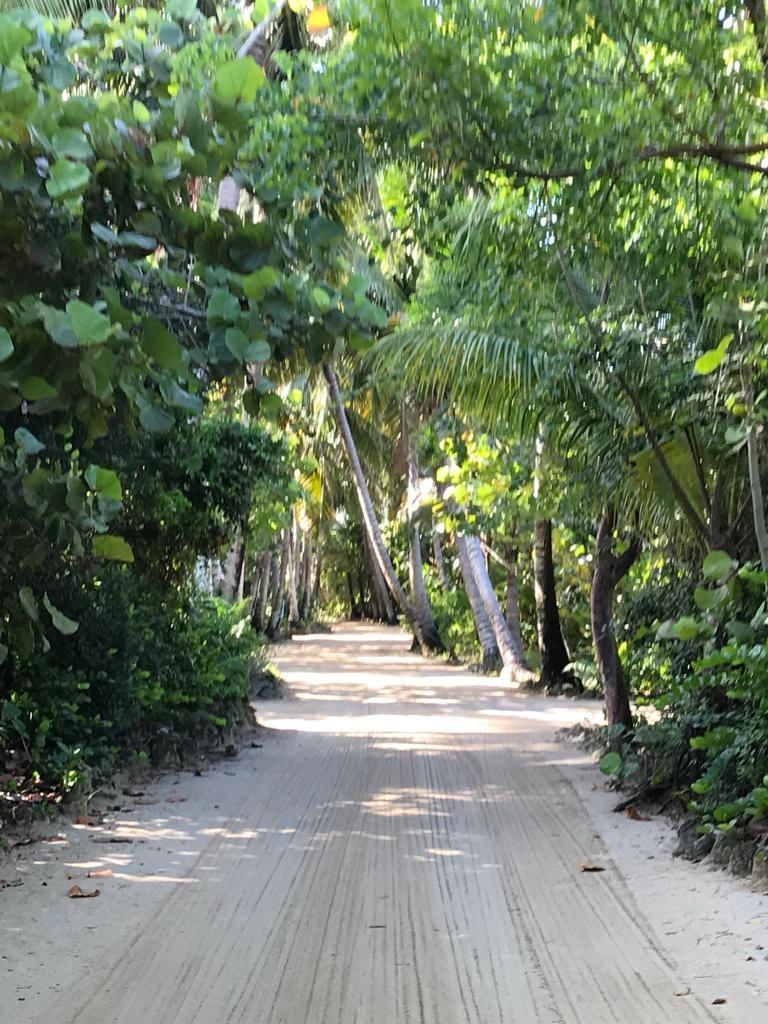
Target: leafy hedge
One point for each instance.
(146, 662)
(139, 651)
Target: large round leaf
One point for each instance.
(717, 565)
(68, 179)
(238, 81)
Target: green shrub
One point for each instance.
(144, 661)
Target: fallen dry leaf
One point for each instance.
(635, 815)
(147, 803)
(76, 893)
(719, 1001)
(176, 800)
(89, 820)
(111, 839)
(588, 868)
(104, 873)
(683, 992)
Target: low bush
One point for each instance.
(707, 739)
(144, 662)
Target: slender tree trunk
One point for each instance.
(274, 572)
(758, 502)
(442, 572)
(257, 570)
(318, 574)
(306, 578)
(351, 595)
(422, 608)
(278, 594)
(552, 650)
(366, 506)
(293, 601)
(365, 608)
(485, 634)
(609, 570)
(380, 585)
(259, 615)
(553, 653)
(755, 483)
(233, 580)
(512, 655)
(512, 602)
(377, 613)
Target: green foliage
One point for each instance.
(122, 293)
(714, 707)
(148, 661)
(188, 490)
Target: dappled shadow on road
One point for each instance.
(405, 829)
(368, 668)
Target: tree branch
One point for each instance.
(729, 155)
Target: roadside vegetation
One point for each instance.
(445, 314)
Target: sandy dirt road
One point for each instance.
(404, 848)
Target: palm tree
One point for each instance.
(491, 657)
(605, 398)
(370, 519)
(422, 609)
(514, 666)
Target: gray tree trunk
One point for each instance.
(293, 569)
(514, 669)
(293, 600)
(305, 603)
(422, 608)
(280, 570)
(380, 586)
(512, 601)
(442, 572)
(232, 583)
(318, 575)
(755, 482)
(485, 634)
(261, 597)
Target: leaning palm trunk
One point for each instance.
(422, 609)
(485, 634)
(370, 521)
(512, 654)
(380, 586)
